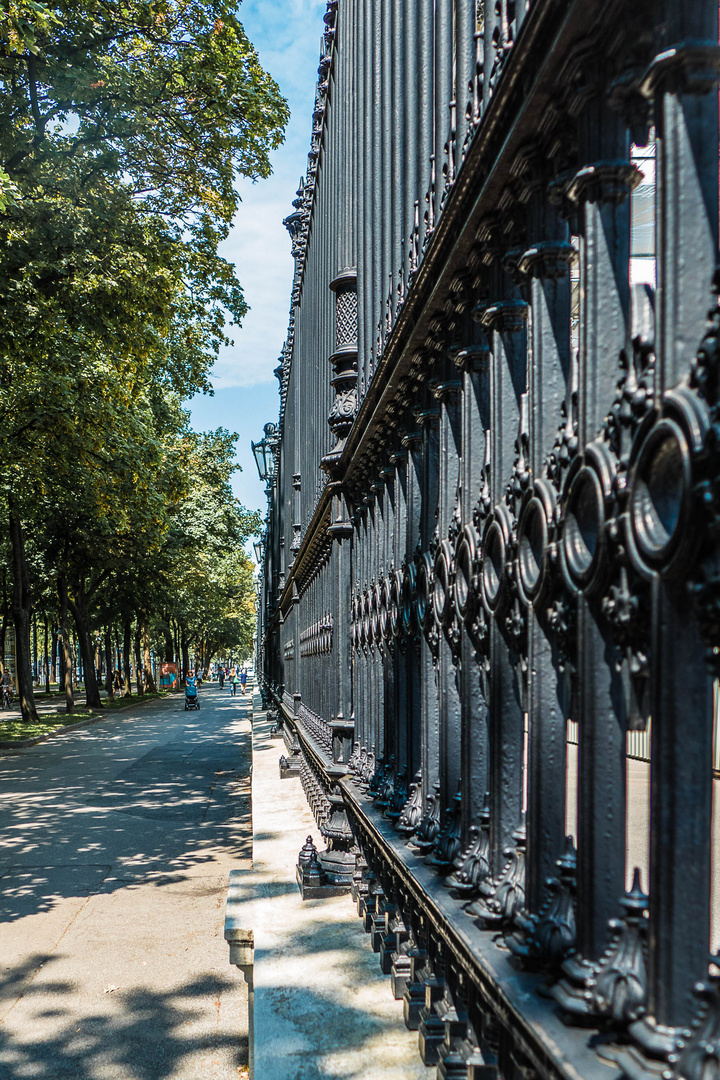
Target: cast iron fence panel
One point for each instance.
(491, 579)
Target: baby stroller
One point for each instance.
(191, 697)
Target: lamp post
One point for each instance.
(264, 454)
(258, 628)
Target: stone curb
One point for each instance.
(20, 744)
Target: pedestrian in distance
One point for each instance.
(243, 680)
(191, 691)
(234, 680)
(221, 677)
(7, 689)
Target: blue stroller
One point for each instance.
(191, 696)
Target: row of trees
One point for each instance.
(176, 579)
(122, 126)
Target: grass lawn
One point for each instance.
(17, 731)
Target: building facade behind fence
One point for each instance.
(490, 618)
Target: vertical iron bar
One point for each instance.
(505, 693)
(686, 110)
(549, 373)
(425, 97)
(604, 332)
(398, 151)
(378, 180)
(411, 50)
(475, 717)
(442, 90)
(465, 65)
(448, 689)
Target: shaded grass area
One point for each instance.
(16, 730)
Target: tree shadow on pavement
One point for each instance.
(172, 810)
(144, 1034)
(332, 1037)
(136, 1034)
(84, 823)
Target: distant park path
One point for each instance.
(115, 846)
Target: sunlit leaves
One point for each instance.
(122, 127)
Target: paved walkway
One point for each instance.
(116, 843)
(323, 1008)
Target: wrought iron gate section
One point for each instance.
(496, 520)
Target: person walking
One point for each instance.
(7, 689)
(243, 680)
(221, 677)
(234, 683)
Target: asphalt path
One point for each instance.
(116, 842)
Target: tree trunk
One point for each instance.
(82, 626)
(46, 656)
(21, 605)
(184, 650)
(211, 648)
(168, 640)
(36, 675)
(109, 665)
(138, 660)
(147, 660)
(127, 673)
(66, 664)
(176, 636)
(3, 629)
(55, 638)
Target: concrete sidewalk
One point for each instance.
(323, 1008)
(116, 843)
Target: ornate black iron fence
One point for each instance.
(492, 553)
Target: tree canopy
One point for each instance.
(123, 125)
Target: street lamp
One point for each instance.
(263, 452)
(258, 548)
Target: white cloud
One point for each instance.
(260, 247)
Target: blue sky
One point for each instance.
(286, 34)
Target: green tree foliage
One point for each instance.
(122, 126)
(215, 590)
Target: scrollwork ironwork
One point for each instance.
(547, 938)
(472, 866)
(615, 988)
(412, 811)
